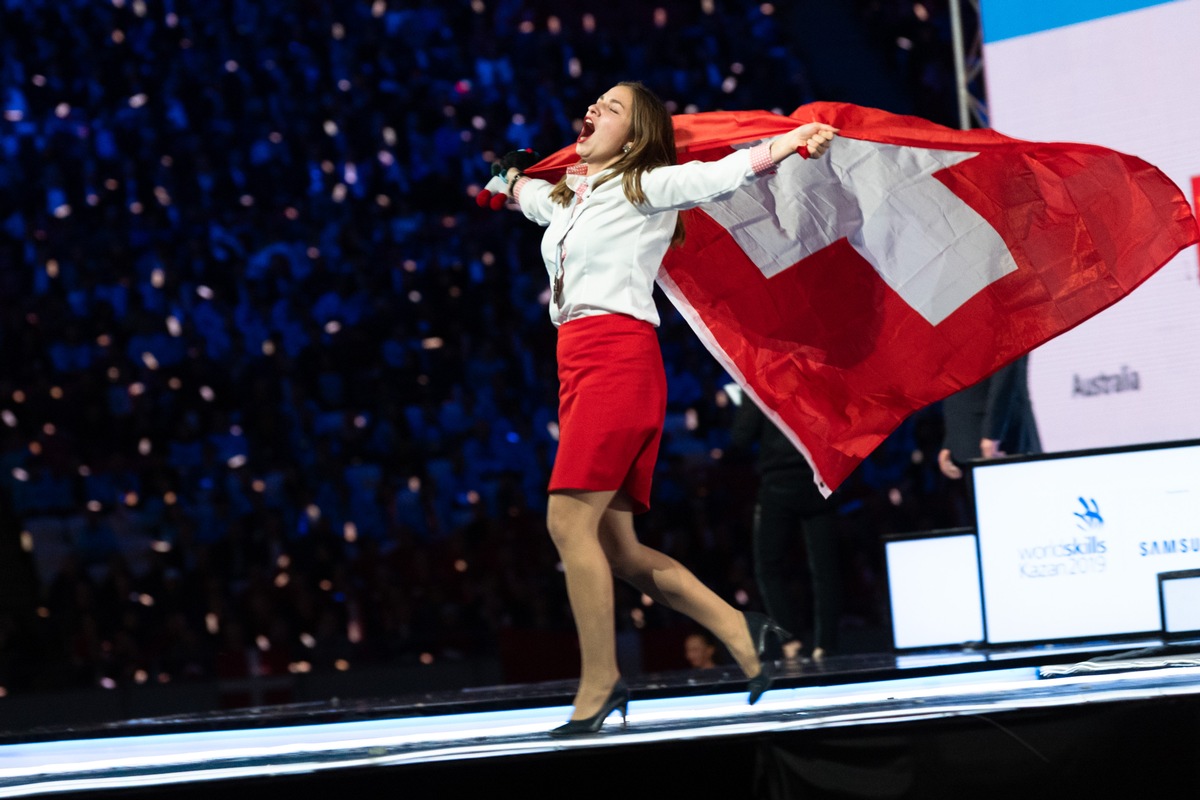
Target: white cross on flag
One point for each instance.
(911, 261)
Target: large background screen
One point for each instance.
(1123, 74)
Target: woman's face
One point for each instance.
(606, 129)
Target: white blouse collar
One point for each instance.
(576, 175)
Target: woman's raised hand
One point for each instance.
(814, 137)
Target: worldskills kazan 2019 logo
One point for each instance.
(1083, 553)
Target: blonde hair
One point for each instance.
(653, 137)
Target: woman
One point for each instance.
(609, 222)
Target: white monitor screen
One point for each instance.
(1071, 545)
(1181, 602)
(933, 587)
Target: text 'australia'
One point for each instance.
(1127, 380)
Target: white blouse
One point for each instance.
(609, 249)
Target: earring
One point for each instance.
(625, 149)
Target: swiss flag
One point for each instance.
(911, 261)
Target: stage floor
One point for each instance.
(865, 691)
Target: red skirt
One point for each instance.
(612, 400)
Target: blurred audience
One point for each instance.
(700, 650)
(273, 391)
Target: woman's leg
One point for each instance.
(672, 584)
(574, 522)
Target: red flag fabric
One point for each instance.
(913, 260)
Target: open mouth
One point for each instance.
(586, 131)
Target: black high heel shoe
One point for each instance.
(618, 700)
(762, 628)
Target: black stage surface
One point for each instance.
(1113, 719)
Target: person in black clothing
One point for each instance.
(991, 418)
(789, 502)
(988, 419)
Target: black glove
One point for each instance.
(521, 159)
(496, 192)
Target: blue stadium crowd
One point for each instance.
(275, 395)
